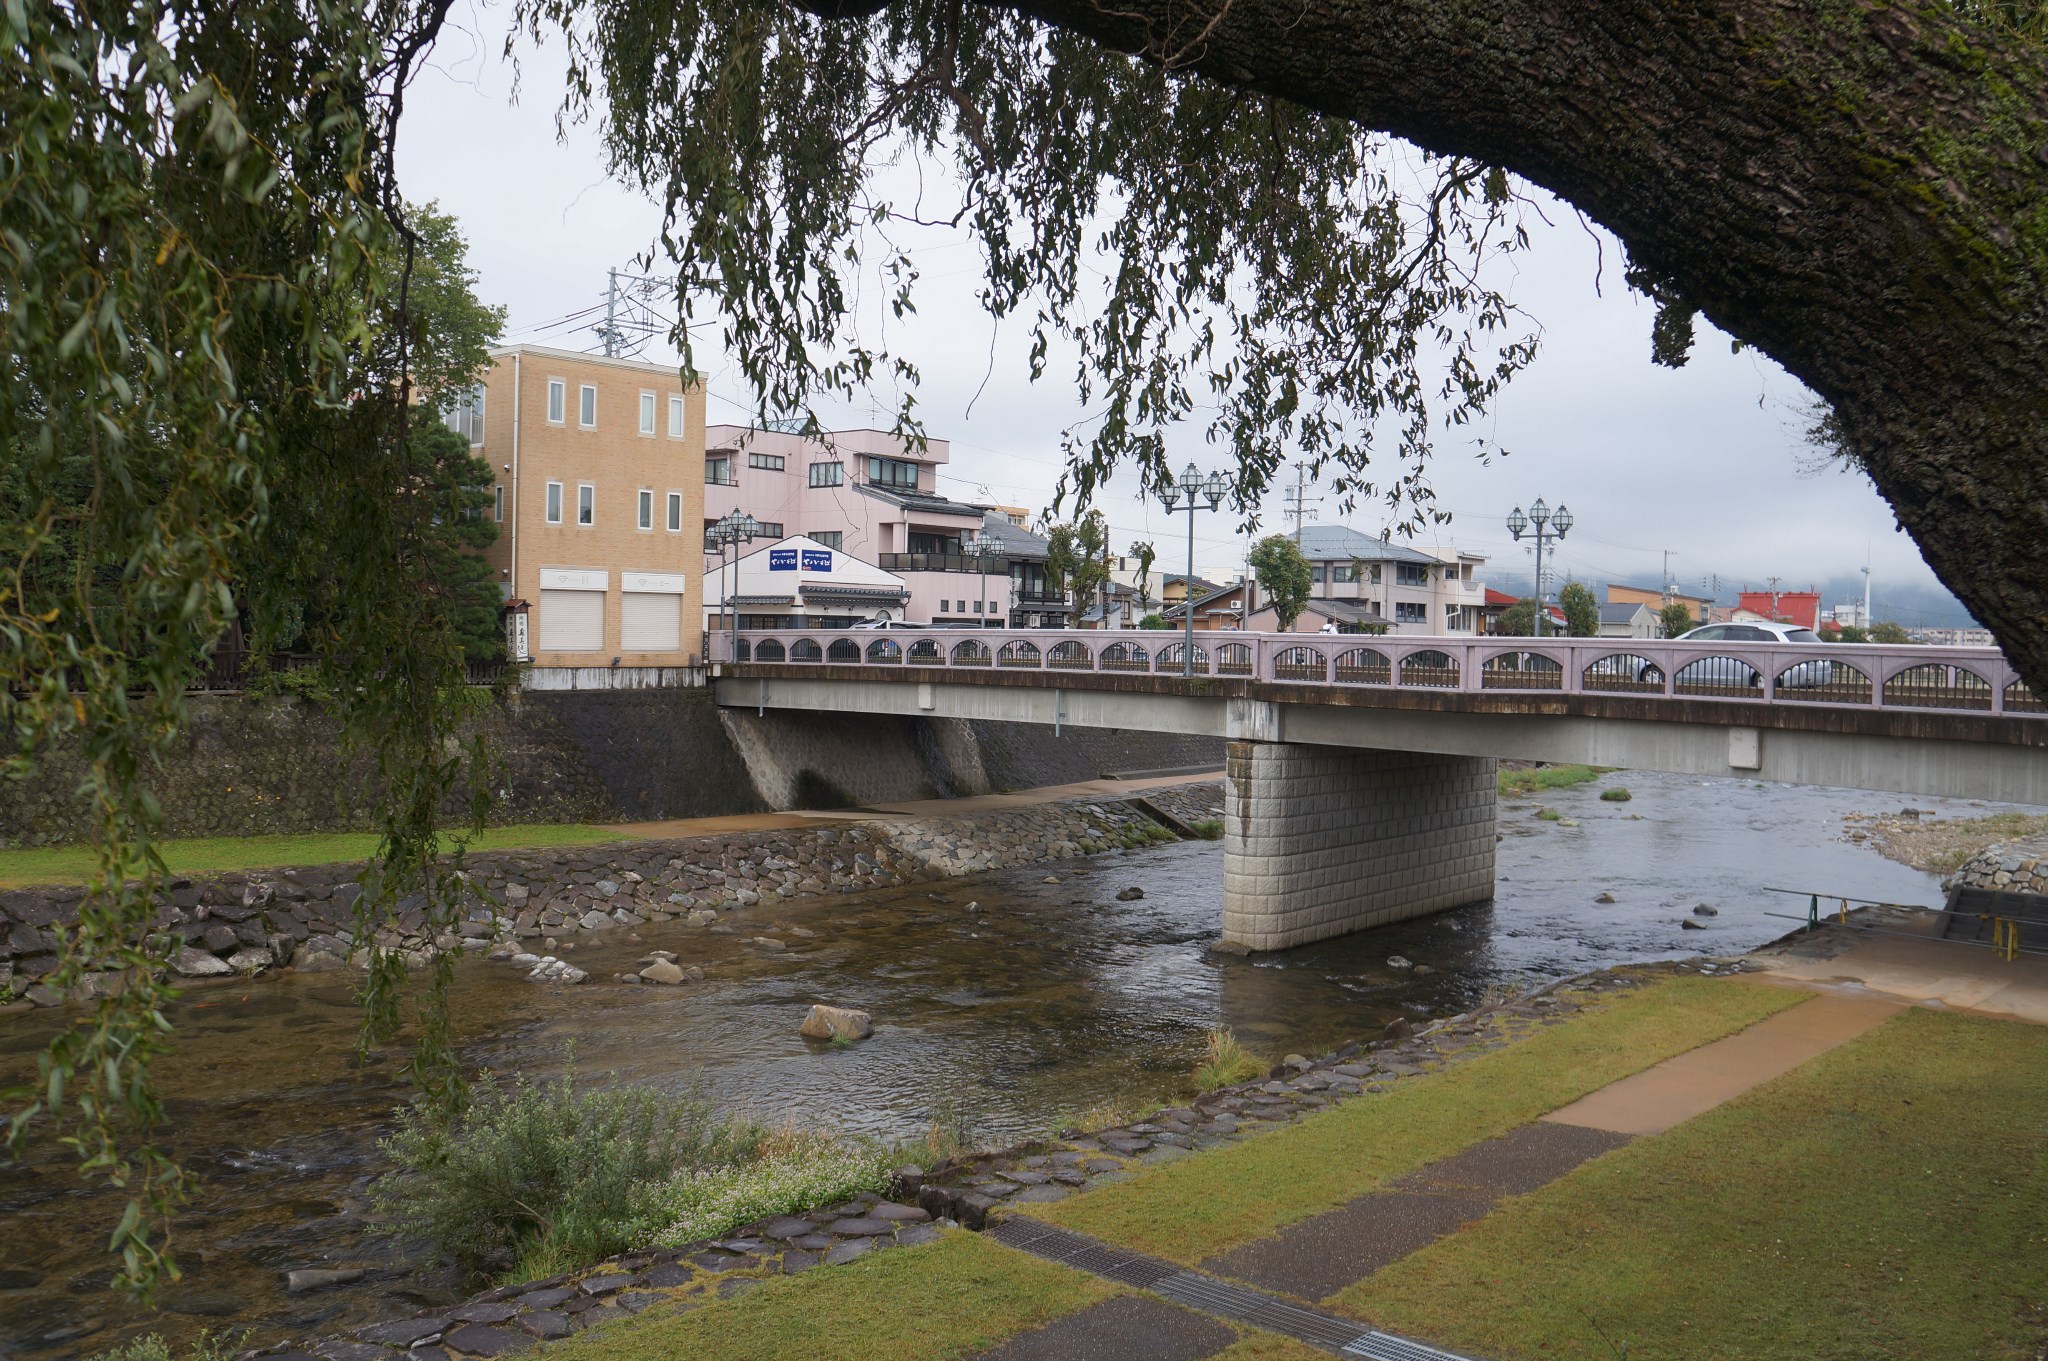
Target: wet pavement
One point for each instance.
(1037, 1003)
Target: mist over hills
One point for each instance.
(1915, 606)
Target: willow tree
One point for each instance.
(1273, 220)
(211, 323)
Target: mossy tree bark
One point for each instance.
(1855, 188)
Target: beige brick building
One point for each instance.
(600, 496)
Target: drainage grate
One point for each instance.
(1223, 1299)
(1387, 1347)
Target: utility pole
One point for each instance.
(1298, 494)
(1667, 578)
(1774, 598)
(611, 314)
(1866, 592)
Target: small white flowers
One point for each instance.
(809, 1171)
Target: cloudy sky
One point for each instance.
(1702, 462)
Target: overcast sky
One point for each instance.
(1701, 461)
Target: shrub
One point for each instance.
(211, 1346)
(1549, 814)
(1226, 1063)
(1208, 829)
(795, 1171)
(1615, 795)
(546, 1172)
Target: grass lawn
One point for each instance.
(1515, 782)
(1269, 1347)
(953, 1298)
(214, 854)
(1887, 1201)
(1190, 1210)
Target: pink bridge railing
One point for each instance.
(1848, 675)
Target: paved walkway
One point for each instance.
(1914, 967)
(677, 828)
(1268, 1282)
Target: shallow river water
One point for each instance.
(1051, 998)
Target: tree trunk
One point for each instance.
(1857, 189)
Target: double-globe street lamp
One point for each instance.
(1191, 489)
(737, 527)
(1548, 525)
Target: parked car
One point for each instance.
(1729, 671)
(890, 625)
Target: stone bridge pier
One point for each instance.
(1320, 841)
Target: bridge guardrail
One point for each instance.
(1848, 675)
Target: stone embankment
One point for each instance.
(2011, 866)
(240, 924)
(967, 1190)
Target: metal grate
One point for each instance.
(1224, 1299)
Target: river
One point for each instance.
(1048, 999)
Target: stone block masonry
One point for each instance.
(1323, 841)
(239, 924)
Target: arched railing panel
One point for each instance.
(770, 650)
(925, 652)
(1018, 653)
(1824, 680)
(1070, 656)
(885, 652)
(1167, 661)
(1430, 668)
(1625, 672)
(740, 650)
(806, 650)
(1364, 666)
(2021, 699)
(1125, 657)
(1234, 659)
(1717, 677)
(1932, 685)
(843, 650)
(972, 652)
(1521, 671)
(1300, 664)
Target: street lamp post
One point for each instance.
(980, 549)
(1548, 525)
(1192, 488)
(737, 527)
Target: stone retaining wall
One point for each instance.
(304, 918)
(2012, 866)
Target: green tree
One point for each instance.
(1885, 631)
(1283, 574)
(1581, 610)
(1151, 621)
(1675, 619)
(1519, 619)
(1146, 555)
(464, 586)
(1077, 559)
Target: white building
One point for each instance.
(1429, 591)
(798, 582)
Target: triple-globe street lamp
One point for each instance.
(1182, 497)
(735, 528)
(1548, 525)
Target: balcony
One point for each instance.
(943, 562)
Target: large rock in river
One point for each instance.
(826, 1023)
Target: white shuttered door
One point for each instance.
(571, 621)
(650, 621)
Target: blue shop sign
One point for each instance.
(817, 559)
(782, 559)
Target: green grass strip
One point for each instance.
(219, 854)
(1190, 1210)
(1517, 782)
(1886, 1202)
(953, 1298)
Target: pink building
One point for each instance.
(868, 495)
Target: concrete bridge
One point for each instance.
(1360, 770)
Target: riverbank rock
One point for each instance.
(1399, 962)
(1706, 910)
(1604, 898)
(1131, 894)
(829, 1023)
(1692, 924)
(662, 971)
(320, 1278)
(193, 963)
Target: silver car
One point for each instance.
(1726, 671)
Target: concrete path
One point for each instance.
(674, 829)
(1914, 969)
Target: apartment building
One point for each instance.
(1427, 591)
(600, 491)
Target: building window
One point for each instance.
(718, 472)
(771, 529)
(1343, 571)
(770, 462)
(892, 472)
(977, 607)
(557, 397)
(554, 503)
(831, 538)
(675, 512)
(647, 413)
(827, 474)
(1410, 574)
(586, 504)
(466, 415)
(1408, 612)
(1375, 574)
(586, 406)
(675, 418)
(646, 507)
(498, 511)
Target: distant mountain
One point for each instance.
(1915, 606)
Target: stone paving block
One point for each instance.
(1515, 1164)
(1320, 1256)
(1127, 1328)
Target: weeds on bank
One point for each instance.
(1226, 1063)
(1208, 829)
(1515, 782)
(210, 1346)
